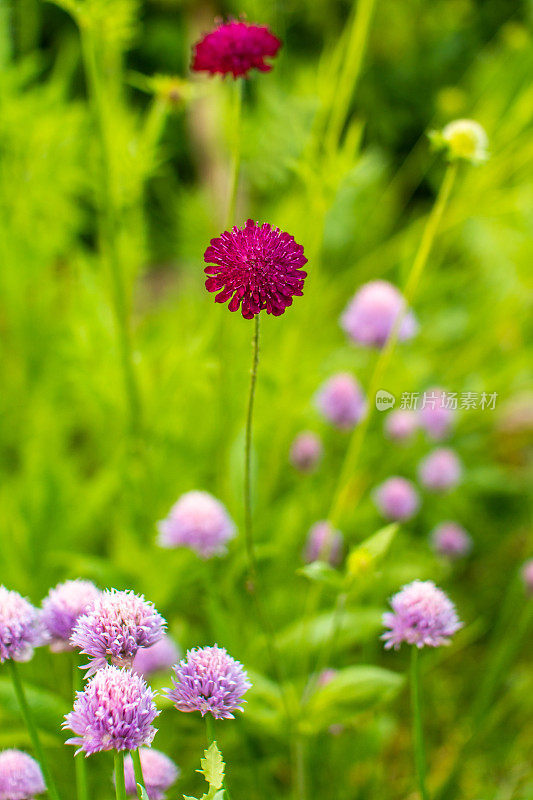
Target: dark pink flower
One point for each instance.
(258, 267)
(234, 48)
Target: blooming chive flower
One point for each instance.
(117, 625)
(62, 607)
(234, 48)
(306, 451)
(115, 711)
(341, 401)
(451, 540)
(400, 425)
(20, 776)
(208, 680)
(370, 316)
(397, 499)
(200, 522)
(20, 627)
(435, 416)
(463, 139)
(324, 543)
(256, 268)
(159, 773)
(161, 655)
(527, 575)
(422, 614)
(440, 471)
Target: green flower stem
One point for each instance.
(32, 728)
(210, 728)
(80, 764)
(418, 734)
(248, 515)
(120, 784)
(138, 772)
(235, 153)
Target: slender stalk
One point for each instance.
(235, 154)
(80, 764)
(138, 772)
(248, 515)
(301, 774)
(32, 728)
(418, 733)
(210, 728)
(353, 452)
(120, 783)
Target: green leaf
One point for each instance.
(355, 627)
(47, 708)
(142, 791)
(320, 572)
(371, 551)
(212, 766)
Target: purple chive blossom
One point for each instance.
(324, 543)
(451, 540)
(20, 627)
(160, 656)
(401, 425)
(440, 471)
(341, 401)
(115, 711)
(159, 773)
(527, 575)
(396, 499)
(200, 522)
(117, 625)
(20, 776)
(370, 316)
(306, 451)
(62, 608)
(435, 417)
(208, 680)
(422, 614)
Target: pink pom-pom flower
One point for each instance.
(21, 629)
(234, 48)
(200, 522)
(159, 773)
(422, 614)
(440, 471)
(306, 451)
(341, 401)
(62, 608)
(20, 776)
(451, 540)
(397, 499)
(324, 543)
(370, 316)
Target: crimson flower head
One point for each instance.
(234, 48)
(258, 267)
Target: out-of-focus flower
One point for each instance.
(159, 773)
(256, 268)
(200, 522)
(401, 425)
(462, 139)
(306, 451)
(115, 711)
(20, 776)
(116, 626)
(234, 48)
(440, 471)
(396, 499)
(160, 656)
(341, 401)
(324, 543)
(61, 609)
(527, 575)
(371, 315)
(422, 614)
(451, 540)
(435, 417)
(208, 680)
(20, 627)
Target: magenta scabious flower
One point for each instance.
(440, 471)
(200, 522)
(115, 711)
(451, 540)
(422, 614)
(306, 451)
(20, 627)
(234, 48)
(341, 401)
(159, 773)
(61, 609)
(208, 680)
(435, 417)
(527, 575)
(160, 656)
(397, 499)
(20, 776)
(256, 268)
(401, 425)
(370, 316)
(324, 543)
(117, 625)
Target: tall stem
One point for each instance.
(353, 452)
(120, 783)
(418, 733)
(210, 728)
(235, 153)
(248, 514)
(138, 772)
(80, 764)
(32, 728)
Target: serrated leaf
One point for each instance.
(212, 766)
